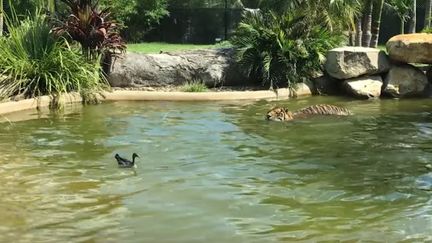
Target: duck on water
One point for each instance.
(125, 163)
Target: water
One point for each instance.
(215, 172)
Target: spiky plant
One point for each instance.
(194, 86)
(282, 49)
(92, 28)
(37, 63)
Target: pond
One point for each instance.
(218, 172)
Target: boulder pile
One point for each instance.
(371, 73)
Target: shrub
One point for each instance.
(282, 49)
(92, 28)
(427, 30)
(194, 86)
(37, 63)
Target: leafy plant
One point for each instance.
(427, 30)
(93, 29)
(194, 86)
(37, 63)
(137, 16)
(282, 48)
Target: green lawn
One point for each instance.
(156, 47)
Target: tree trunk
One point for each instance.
(376, 21)
(1, 17)
(351, 37)
(402, 30)
(359, 32)
(367, 21)
(51, 6)
(413, 17)
(427, 19)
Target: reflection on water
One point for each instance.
(218, 173)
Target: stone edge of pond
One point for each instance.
(125, 95)
(132, 95)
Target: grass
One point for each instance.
(194, 86)
(382, 47)
(38, 63)
(157, 47)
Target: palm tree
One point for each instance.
(51, 6)
(428, 9)
(367, 23)
(376, 21)
(402, 10)
(413, 17)
(359, 32)
(1, 17)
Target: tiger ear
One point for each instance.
(286, 110)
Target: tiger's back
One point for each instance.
(323, 109)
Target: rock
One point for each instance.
(304, 89)
(411, 48)
(429, 74)
(350, 62)
(364, 87)
(405, 81)
(212, 66)
(326, 85)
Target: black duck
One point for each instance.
(125, 163)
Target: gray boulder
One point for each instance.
(352, 61)
(364, 87)
(212, 66)
(405, 81)
(326, 85)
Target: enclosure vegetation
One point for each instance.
(67, 44)
(194, 86)
(39, 55)
(38, 63)
(282, 49)
(279, 44)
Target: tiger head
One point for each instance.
(279, 114)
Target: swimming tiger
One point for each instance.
(283, 114)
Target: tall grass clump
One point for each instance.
(37, 63)
(282, 49)
(194, 86)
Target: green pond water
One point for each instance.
(216, 172)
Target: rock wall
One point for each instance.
(214, 67)
(357, 71)
(370, 73)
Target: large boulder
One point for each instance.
(364, 87)
(326, 85)
(405, 81)
(411, 48)
(212, 66)
(352, 61)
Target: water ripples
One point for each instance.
(214, 172)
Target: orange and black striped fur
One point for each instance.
(283, 114)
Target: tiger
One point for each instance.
(283, 114)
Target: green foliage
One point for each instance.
(427, 30)
(37, 63)
(92, 28)
(137, 16)
(158, 47)
(283, 48)
(204, 3)
(194, 86)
